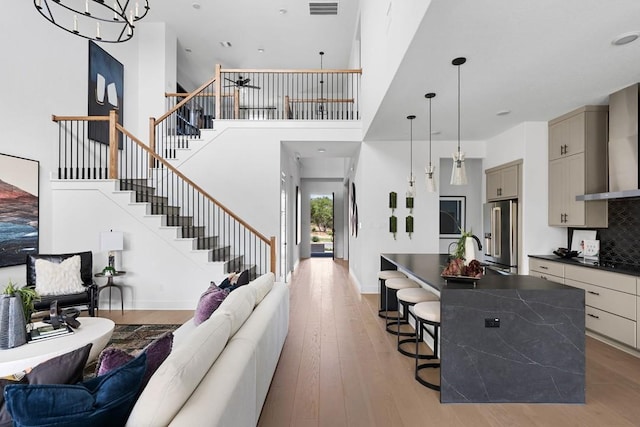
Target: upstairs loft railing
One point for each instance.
(241, 94)
(93, 147)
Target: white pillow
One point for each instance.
(262, 285)
(59, 279)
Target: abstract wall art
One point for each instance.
(19, 209)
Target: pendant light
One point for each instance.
(411, 191)
(322, 110)
(458, 173)
(430, 170)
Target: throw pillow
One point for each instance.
(101, 402)
(209, 302)
(239, 280)
(59, 279)
(157, 351)
(64, 369)
(225, 283)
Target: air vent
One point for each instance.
(323, 8)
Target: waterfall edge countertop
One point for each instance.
(517, 339)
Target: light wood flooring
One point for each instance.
(340, 368)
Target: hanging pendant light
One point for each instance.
(411, 190)
(322, 109)
(458, 173)
(430, 170)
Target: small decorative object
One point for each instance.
(108, 271)
(393, 225)
(410, 204)
(15, 305)
(409, 225)
(393, 200)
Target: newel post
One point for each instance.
(273, 253)
(218, 94)
(113, 145)
(152, 140)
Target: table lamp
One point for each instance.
(112, 241)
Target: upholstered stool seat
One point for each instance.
(427, 313)
(407, 298)
(383, 275)
(393, 285)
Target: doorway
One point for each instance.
(322, 214)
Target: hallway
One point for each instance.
(340, 368)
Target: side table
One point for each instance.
(112, 285)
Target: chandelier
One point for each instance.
(99, 20)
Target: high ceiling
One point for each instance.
(536, 59)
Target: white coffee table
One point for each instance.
(93, 330)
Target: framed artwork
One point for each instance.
(19, 209)
(452, 216)
(106, 91)
(353, 210)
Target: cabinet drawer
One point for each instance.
(547, 276)
(550, 267)
(606, 279)
(610, 325)
(614, 302)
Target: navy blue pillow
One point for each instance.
(103, 401)
(225, 284)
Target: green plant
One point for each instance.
(108, 270)
(461, 245)
(315, 239)
(28, 296)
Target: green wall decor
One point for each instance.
(409, 202)
(409, 225)
(393, 225)
(393, 200)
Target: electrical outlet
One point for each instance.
(492, 323)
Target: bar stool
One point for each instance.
(408, 298)
(393, 285)
(427, 313)
(383, 275)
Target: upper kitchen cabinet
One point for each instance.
(578, 165)
(502, 182)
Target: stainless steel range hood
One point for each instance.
(624, 176)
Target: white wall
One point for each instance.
(383, 167)
(529, 141)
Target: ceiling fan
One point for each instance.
(240, 83)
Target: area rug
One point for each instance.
(132, 339)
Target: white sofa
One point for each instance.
(219, 372)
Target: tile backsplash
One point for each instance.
(620, 242)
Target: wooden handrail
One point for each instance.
(184, 101)
(194, 185)
(79, 118)
(202, 95)
(262, 71)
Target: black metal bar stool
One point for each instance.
(427, 313)
(383, 275)
(393, 285)
(407, 298)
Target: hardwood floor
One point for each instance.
(340, 368)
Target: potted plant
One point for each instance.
(108, 271)
(27, 295)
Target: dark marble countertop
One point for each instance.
(428, 267)
(578, 262)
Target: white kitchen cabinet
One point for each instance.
(548, 270)
(502, 183)
(578, 165)
(612, 300)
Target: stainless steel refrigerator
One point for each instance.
(501, 235)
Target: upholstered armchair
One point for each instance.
(86, 291)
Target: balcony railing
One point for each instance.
(100, 148)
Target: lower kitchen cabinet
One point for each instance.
(612, 300)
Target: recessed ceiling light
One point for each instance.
(225, 44)
(187, 49)
(282, 11)
(625, 38)
(321, 150)
(435, 132)
(196, 5)
(261, 50)
(503, 112)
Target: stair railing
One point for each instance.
(93, 147)
(186, 114)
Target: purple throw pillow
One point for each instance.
(208, 303)
(112, 358)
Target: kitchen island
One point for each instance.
(504, 338)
